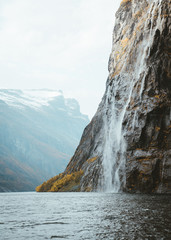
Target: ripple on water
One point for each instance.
(61, 236)
(84, 216)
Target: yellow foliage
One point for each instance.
(44, 187)
(61, 182)
(90, 160)
(124, 42)
(137, 14)
(140, 25)
(157, 129)
(165, 15)
(125, 1)
(157, 96)
(143, 159)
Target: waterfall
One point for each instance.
(114, 142)
(117, 100)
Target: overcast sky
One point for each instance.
(57, 44)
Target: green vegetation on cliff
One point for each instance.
(62, 183)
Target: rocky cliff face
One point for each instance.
(127, 145)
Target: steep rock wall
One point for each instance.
(127, 145)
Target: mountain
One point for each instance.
(127, 145)
(39, 131)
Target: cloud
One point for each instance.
(57, 44)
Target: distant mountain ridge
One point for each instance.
(39, 131)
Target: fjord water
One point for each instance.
(81, 216)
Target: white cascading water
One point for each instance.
(114, 143)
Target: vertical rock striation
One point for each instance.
(127, 145)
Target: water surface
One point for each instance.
(81, 216)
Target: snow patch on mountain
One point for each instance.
(30, 98)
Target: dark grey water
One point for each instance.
(78, 216)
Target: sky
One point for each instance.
(57, 44)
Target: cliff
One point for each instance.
(127, 145)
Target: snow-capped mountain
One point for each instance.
(39, 131)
